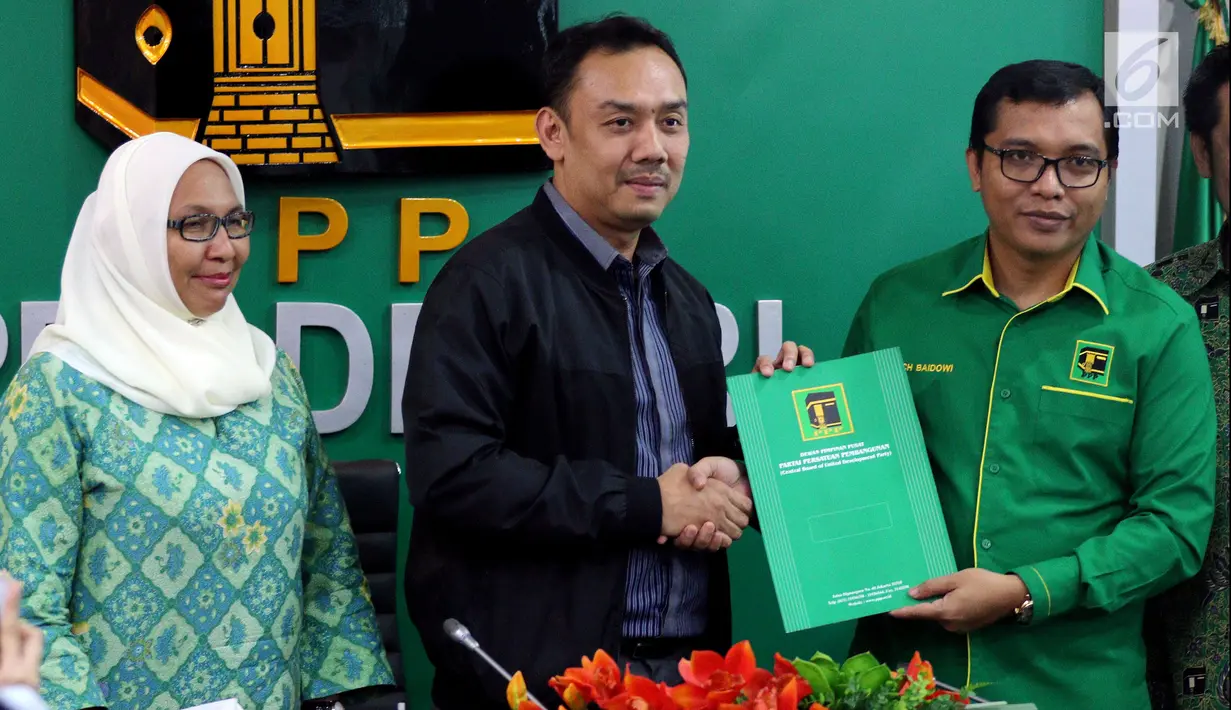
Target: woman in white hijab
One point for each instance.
(167, 503)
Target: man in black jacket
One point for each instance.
(566, 388)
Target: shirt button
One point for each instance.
(994, 468)
(986, 544)
(1004, 394)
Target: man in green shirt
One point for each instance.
(1188, 639)
(1071, 426)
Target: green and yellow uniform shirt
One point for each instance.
(1073, 443)
(1191, 632)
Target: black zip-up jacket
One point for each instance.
(520, 421)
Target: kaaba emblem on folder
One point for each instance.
(1092, 363)
(301, 87)
(823, 412)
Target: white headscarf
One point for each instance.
(120, 320)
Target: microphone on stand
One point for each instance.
(461, 634)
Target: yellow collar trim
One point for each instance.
(1072, 279)
(990, 283)
(1072, 283)
(985, 277)
(962, 288)
(1093, 295)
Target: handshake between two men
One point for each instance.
(708, 505)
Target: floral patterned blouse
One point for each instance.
(175, 562)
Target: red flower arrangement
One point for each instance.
(734, 682)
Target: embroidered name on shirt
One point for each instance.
(929, 367)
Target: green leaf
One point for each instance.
(875, 677)
(833, 674)
(857, 664)
(829, 665)
(815, 676)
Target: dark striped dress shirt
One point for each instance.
(666, 588)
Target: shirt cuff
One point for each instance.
(20, 697)
(1053, 585)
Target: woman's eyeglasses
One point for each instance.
(203, 227)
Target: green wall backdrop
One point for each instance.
(827, 143)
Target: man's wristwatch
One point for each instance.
(1024, 613)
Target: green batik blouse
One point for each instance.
(174, 562)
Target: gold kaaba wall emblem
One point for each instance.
(301, 87)
(265, 106)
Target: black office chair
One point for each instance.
(372, 490)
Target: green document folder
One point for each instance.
(843, 488)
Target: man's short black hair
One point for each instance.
(1044, 81)
(615, 33)
(1201, 94)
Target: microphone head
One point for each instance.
(459, 633)
(455, 630)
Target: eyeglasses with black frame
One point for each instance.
(203, 227)
(1074, 171)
